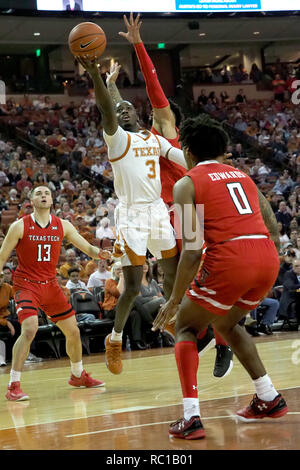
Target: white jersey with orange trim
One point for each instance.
(134, 157)
(141, 217)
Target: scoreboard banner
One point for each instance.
(168, 6)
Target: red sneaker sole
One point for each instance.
(25, 397)
(194, 435)
(278, 414)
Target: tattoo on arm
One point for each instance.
(114, 93)
(269, 219)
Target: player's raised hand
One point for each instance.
(133, 29)
(89, 64)
(113, 73)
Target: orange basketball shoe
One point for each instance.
(85, 381)
(14, 392)
(113, 355)
(170, 328)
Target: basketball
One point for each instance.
(87, 39)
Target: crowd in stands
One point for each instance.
(63, 146)
(269, 76)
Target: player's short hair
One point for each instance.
(31, 194)
(204, 137)
(175, 108)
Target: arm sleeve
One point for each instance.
(116, 143)
(171, 153)
(154, 90)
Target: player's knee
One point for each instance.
(73, 334)
(29, 332)
(132, 291)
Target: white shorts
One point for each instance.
(140, 227)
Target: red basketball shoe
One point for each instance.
(85, 381)
(14, 392)
(187, 429)
(259, 409)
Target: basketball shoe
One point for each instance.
(14, 392)
(85, 381)
(259, 409)
(113, 355)
(187, 429)
(207, 342)
(223, 362)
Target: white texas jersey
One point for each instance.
(134, 157)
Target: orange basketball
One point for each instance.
(87, 39)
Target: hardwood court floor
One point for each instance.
(135, 409)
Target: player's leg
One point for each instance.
(113, 342)
(79, 377)
(62, 314)
(267, 402)
(27, 309)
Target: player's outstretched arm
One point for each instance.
(163, 117)
(14, 234)
(103, 99)
(171, 153)
(81, 243)
(190, 257)
(111, 78)
(269, 219)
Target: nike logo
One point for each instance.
(83, 46)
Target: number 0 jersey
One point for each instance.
(230, 199)
(39, 249)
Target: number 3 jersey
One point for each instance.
(39, 249)
(134, 157)
(230, 202)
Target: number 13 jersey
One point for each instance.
(230, 200)
(39, 249)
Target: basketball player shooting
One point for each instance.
(134, 155)
(167, 117)
(37, 239)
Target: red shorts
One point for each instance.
(236, 273)
(30, 296)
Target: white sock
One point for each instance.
(116, 336)
(264, 388)
(76, 368)
(191, 407)
(15, 376)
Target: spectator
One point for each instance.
(7, 273)
(269, 316)
(103, 230)
(98, 168)
(71, 262)
(283, 215)
(281, 187)
(289, 256)
(23, 182)
(279, 86)
(75, 285)
(255, 74)
(290, 299)
(98, 278)
(241, 97)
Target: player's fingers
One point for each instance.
(137, 19)
(124, 35)
(131, 18)
(126, 21)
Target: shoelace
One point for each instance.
(113, 350)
